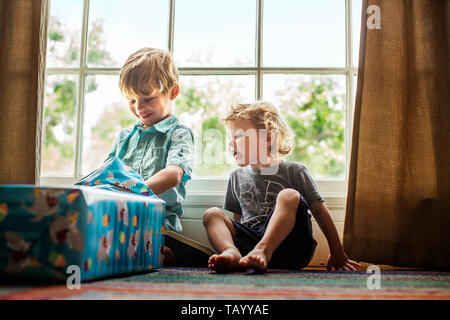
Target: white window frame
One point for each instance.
(201, 188)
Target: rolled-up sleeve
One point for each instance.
(181, 151)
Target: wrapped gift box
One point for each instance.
(45, 230)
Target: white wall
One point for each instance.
(194, 206)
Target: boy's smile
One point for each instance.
(152, 109)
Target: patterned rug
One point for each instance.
(198, 283)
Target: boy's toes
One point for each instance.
(226, 261)
(244, 261)
(255, 262)
(212, 261)
(259, 263)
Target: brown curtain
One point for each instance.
(398, 205)
(22, 65)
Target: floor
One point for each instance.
(311, 283)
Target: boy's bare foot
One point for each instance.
(256, 259)
(228, 260)
(169, 257)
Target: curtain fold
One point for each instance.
(398, 202)
(22, 65)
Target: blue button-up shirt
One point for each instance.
(151, 150)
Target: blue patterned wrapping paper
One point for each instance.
(43, 230)
(116, 175)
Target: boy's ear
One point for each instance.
(272, 140)
(175, 91)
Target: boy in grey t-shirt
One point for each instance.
(253, 195)
(270, 201)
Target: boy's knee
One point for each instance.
(210, 214)
(290, 196)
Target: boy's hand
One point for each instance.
(340, 261)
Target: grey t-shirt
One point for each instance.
(253, 194)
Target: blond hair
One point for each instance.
(147, 72)
(264, 115)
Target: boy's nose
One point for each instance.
(139, 104)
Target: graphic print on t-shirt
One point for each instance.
(272, 190)
(259, 208)
(247, 197)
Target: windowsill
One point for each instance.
(196, 203)
(211, 191)
(214, 198)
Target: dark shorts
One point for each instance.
(295, 252)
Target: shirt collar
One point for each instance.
(164, 125)
(258, 171)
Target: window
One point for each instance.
(301, 55)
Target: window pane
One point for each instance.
(118, 28)
(304, 33)
(59, 126)
(356, 26)
(201, 105)
(314, 108)
(64, 33)
(215, 33)
(106, 113)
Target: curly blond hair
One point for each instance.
(264, 115)
(147, 72)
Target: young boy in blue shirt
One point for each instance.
(158, 147)
(269, 200)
